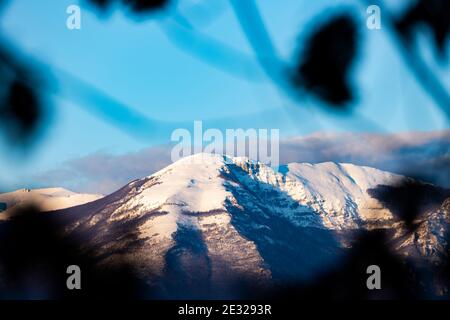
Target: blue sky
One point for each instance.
(134, 62)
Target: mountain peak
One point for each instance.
(220, 219)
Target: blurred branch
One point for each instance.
(203, 13)
(21, 103)
(257, 35)
(111, 110)
(219, 55)
(92, 99)
(427, 79)
(254, 29)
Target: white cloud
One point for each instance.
(423, 155)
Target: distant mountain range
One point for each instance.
(208, 224)
(47, 199)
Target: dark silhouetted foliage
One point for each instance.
(326, 60)
(35, 254)
(21, 108)
(134, 5)
(348, 281)
(408, 199)
(431, 13)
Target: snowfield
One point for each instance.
(47, 199)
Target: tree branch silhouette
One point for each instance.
(219, 55)
(427, 79)
(257, 35)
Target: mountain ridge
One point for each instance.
(45, 198)
(206, 224)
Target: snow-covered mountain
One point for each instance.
(209, 221)
(46, 198)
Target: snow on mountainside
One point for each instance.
(47, 199)
(430, 238)
(338, 192)
(211, 220)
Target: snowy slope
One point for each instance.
(47, 199)
(189, 196)
(208, 221)
(430, 237)
(338, 192)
